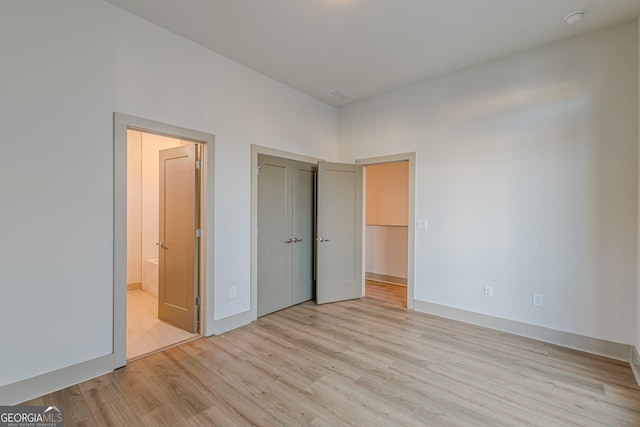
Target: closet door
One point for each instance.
(275, 187)
(303, 231)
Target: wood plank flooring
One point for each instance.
(365, 362)
(392, 294)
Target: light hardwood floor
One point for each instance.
(145, 332)
(393, 294)
(365, 362)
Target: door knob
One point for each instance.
(322, 239)
(289, 241)
(162, 244)
(296, 240)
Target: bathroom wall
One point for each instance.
(134, 207)
(143, 174)
(387, 187)
(151, 146)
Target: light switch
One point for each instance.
(421, 224)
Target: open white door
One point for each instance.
(339, 232)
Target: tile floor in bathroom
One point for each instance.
(147, 334)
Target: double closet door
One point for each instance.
(286, 210)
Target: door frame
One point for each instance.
(255, 151)
(122, 123)
(393, 158)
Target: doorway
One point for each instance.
(163, 184)
(163, 236)
(386, 231)
(393, 293)
(283, 242)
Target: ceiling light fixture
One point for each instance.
(574, 17)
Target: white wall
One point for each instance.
(66, 67)
(527, 174)
(386, 251)
(387, 193)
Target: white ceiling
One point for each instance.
(368, 47)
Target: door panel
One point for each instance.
(274, 229)
(177, 280)
(339, 236)
(303, 232)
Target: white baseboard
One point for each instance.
(232, 322)
(635, 364)
(21, 391)
(596, 346)
(402, 281)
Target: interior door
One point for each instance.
(177, 278)
(339, 232)
(274, 234)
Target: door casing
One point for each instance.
(411, 158)
(123, 122)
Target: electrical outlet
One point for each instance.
(488, 292)
(232, 292)
(538, 300)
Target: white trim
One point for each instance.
(255, 151)
(411, 158)
(591, 345)
(123, 122)
(384, 278)
(635, 364)
(635, 360)
(21, 391)
(232, 322)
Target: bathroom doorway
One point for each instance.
(163, 196)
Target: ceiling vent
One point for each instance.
(339, 95)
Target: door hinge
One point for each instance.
(198, 301)
(198, 164)
(198, 233)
